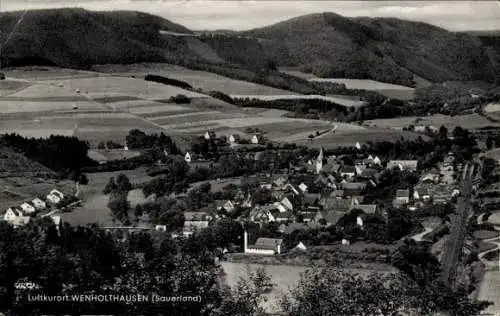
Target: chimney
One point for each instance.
(245, 241)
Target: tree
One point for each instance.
(123, 183)
(119, 206)
(111, 186)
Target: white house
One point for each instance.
(55, 196)
(358, 145)
(410, 165)
(303, 187)
(300, 246)
(28, 208)
(263, 246)
(421, 194)
(359, 221)
(209, 135)
(187, 157)
(57, 221)
(38, 204)
(161, 228)
(11, 214)
(256, 139)
(286, 203)
(345, 242)
(377, 161)
(234, 138)
(319, 161)
(126, 146)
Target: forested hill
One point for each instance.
(329, 45)
(385, 49)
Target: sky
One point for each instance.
(243, 15)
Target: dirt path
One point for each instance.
(420, 236)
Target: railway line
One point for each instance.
(453, 249)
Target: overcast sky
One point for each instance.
(241, 15)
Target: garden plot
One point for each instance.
(159, 107)
(19, 106)
(178, 120)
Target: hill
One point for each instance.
(384, 49)
(76, 37)
(328, 45)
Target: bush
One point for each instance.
(168, 81)
(180, 99)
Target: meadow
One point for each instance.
(197, 79)
(469, 121)
(387, 89)
(94, 208)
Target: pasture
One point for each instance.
(492, 107)
(95, 204)
(469, 121)
(38, 73)
(9, 86)
(197, 79)
(100, 87)
(363, 136)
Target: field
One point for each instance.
(197, 79)
(492, 107)
(469, 121)
(349, 138)
(490, 290)
(95, 203)
(47, 73)
(387, 89)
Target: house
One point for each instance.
(195, 221)
(347, 171)
(234, 138)
(358, 145)
(11, 214)
(401, 198)
(282, 216)
(55, 196)
(366, 208)
(38, 204)
(300, 246)
(430, 177)
(161, 228)
(345, 242)
(28, 208)
(187, 157)
(303, 187)
(224, 205)
(257, 139)
(209, 135)
(311, 199)
(331, 217)
(410, 165)
(339, 205)
(421, 194)
(280, 182)
(377, 161)
(353, 188)
(287, 203)
(359, 221)
(263, 214)
(263, 246)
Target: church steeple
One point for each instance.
(319, 161)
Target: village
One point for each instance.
(314, 193)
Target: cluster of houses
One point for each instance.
(324, 194)
(21, 214)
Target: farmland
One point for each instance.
(469, 121)
(387, 89)
(197, 79)
(349, 138)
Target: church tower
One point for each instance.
(319, 161)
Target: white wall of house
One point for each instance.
(27, 208)
(260, 251)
